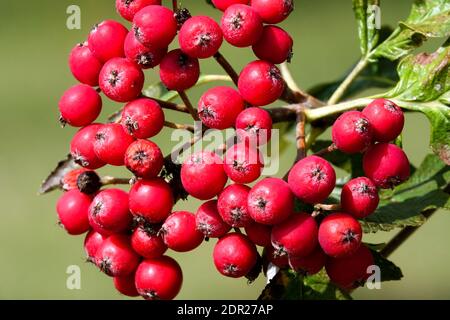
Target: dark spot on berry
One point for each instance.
(392, 182)
(95, 27)
(390, 106)
(236, 214)
(205, 228)
(230, 269)
(274, 74)
(97, 208)
(145, 59)
(364, 189)
(349, 236)
(279, 251)
(361, 125)
(137, 33)
(317, 174)
(261, 203)
(113, 78)
(140, 156)
(62, 121)
(127, 2)
(131, 125)
(208, 112)
(79, 159)
(252, 128)
(80, 45)
(88, 182)
(204, 40)
(239, 166)
(183, 60)
(100, 136)
(237, 21)
(149, 294)
(288, 7)
(105, 266)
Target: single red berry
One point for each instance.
(142, 118)
(144, 159)
(275, 45)
(145, 57)
(126, 286)
(202, 175)
(309, 265)
(178, 71)
(82, 147)
(111, 143)
(350, 272)
(88, 182)
(359, 197)
(115, 257)
(159, 279)
(243, 164)
(209, 221)
(106, 40)
(128, 8)
(386, 165)
(234, 255)
(83, 64)
(224, 4)
(92, 242)
(241, 25)
(69, 181)
(219, 107)
(232, 205)
(259, 234)
(80, 106)
(273, 11)
(180, 233)
(155, 26)
(273, 256)
(151, 200)
(146, 241)
(312, 179)
(352, 132)
(270, 201)
(296, 236)
(254, 126)
(340, 235)
(121, 80)
(260, 83)
(386, 119)
(72, 209)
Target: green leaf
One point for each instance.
(319, 287)
(389, 271)
(365, 16)
(53, 181)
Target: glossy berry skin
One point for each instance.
(128, 9)
(340, 235)
(309, 265)
(275, 45)
(178, 71)
(209, 222)
(83, 64)
(126, 286)
(155, 26)
(147, 243)
(296, 236)
(142, 118)
(270, 201)
(80, 106)
(352, 132)
(386, 165)
(144, 57)
(82, 147)
(232, 205)
(159, 279)
(359, 197)
(234, 255)
(254, 126)
(115, 256)
(109, 213)
(111, 143)
(271, 255)
(386, 118)
(260, 83)
(350, 272)
(200, 37)
(259, 234)
(312, 179)
(241, 25)
(106, 40)
(151, 200)
(121, 80)
(144, 159)
(203, 176)
(243, 164)
(180, 232)
(92, 242)
(224, 4)
(219, 107)
(72, 209)
(273, 11)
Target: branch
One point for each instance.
(175, 5)
(227, 67)
(171, 106)
(173, 125)
(316, 114)
(189, 106)
(300, 133)
(108, 180)
(332, 147)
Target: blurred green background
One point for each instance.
(35, 252)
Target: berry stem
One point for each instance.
(323, 112)
(179, 126)
(329, 149)
(300, 133)
(189, 105)
(327, 207)
(227, 67)
(175, 5)
(108, 180)
(172, 106)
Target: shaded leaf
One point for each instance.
(389, 271)
(53, 181)
(319, 287)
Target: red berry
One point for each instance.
(359, 197)
(82, 147)
(224, 4)
(270, 201)
(151, 200)
(80, 106)
(126, 286)
(202, 175)
(296, 236)
(92, 242)
(219, 107)
(234, 255)
(241, 25)
(243, 164)
(260, 83)
(159, 279)
(69, 181)
(273, 11)
(275, 45)
(121, 80)
(254, 126)
(209, 221)
(180, 232)
(386, 165)
(259, 234)
(115, 257)
(309, 265)
(232, 205)
(145, 57)
(386, 119)
(352, 132)
(144, 159)
(340, 235)
(72, 209)
(178, 71)
(111, 143)
(83, 64)
(271, 255)
(128, 8)
(106, 40)
(109, 212)
(312, 179)
(155, 26)
(147, 243)
(142, 118)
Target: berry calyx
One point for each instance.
(209, 222)
(232, 205)
(224, 4)
(72, 209)
(82, 147)
(146, 241)
(142, 118)
(92, 242)
(83, 64)
(128, 8)
(275, 45)
(111, 143)
(259, 234)
(271, 255)
(180, 233)
(273, 11)
(178, 71)
(88, 182)
(126, 286)
(309, 265)
(241, 25)
(352, 132)
(106, 40)
(254, 126)
(144, 57)
(69, 181)
(359, 197)
(243, 164)
(144, 159)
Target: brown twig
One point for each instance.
(300, 133)
(173, 125)
(175, 5)
(189, 105)
(227, 67)
(329, 149)
(172, 106)
(108, 180)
